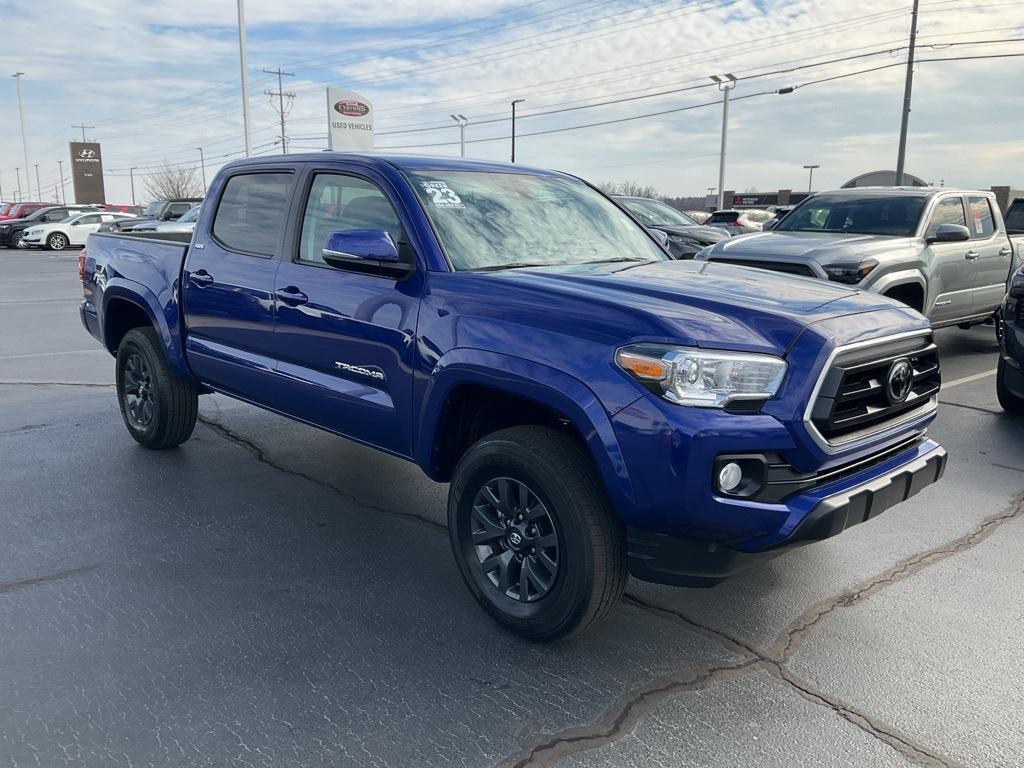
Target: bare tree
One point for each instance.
(169, 183)
(627, 188)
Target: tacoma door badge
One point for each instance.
(369, 371)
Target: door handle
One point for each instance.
(972, 255)
(1006, 252)
(292, 296)
(200, 278)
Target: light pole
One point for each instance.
(725, 84)
(202, 164)
(463, 121)
(24, 140)
(810, 176)
(17, 171)
(60, 169)
(243, 60)
(39, 187)
(131, 175)
(514, 102)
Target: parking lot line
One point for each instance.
(51, 354)
(968, 379)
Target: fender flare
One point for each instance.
(120, 289)
(534, 381)
(902, 277)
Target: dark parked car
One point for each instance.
(777, 215)
(157, 211)
(1010, 371)
(685, 236)
(11, 230)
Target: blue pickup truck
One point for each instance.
(598, 408)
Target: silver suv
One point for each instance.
(942, 251)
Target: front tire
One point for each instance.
(57, 242)
(18, 240)
(159, 408)
(1010, 402)
(533, 533)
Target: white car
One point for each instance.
(71, 231)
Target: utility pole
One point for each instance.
(60, 169)
(18, 172)
(202, 164)
(131, 175)
(463, 121)
(725, 84)
(280, 101)
(514, 102)
(810, 176)
(24, 139)
(907, 90)
(39, 187)
(243, 61)
(83, 127)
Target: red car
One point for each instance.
(18, 210)
(135, 210)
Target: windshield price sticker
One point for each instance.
(441, 195)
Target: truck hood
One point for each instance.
(700, 233)
(822, 247)
(697, 303)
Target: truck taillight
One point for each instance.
(81, 266)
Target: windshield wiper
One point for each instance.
(512, 265)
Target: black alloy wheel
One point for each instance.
(138, 392)
(515, 539)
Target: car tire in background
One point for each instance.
(158, 406)
(1010, 402)
(18, 239)
(534, 534)
(57, 242)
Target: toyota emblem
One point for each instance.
(899, 381)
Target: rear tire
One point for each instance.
(534, 535)
(57, 242)
(159, 407)
(1010, 402)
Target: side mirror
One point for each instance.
(367, 248)
(661, 236)
(770, 225)
(950, 233)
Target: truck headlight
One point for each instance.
(700, 377)
(851, 274)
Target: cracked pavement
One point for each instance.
(270, 595)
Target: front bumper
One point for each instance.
(33, 240)
(691, 562)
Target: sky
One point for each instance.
(156, 85)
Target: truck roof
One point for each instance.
(402, 162)
(901, 191)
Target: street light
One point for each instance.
(202, 164)
(463, 121)
(18, 172)
(725, 84)
(39, 187)
(810, 176)
(60, 169)
(514, 102)
(243, 62)
(24, 140)
(131, 175)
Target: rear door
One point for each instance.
(951, 270)
(345, 338)
(991, 252)
(228, 281)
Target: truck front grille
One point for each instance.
(862, 391)
(772, 266)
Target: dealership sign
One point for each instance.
(349, 121)
(87, 172)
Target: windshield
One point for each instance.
(654, 212)
(192, 215)
(896, 215)
(504, 220)
(4, 208)
(153, 210)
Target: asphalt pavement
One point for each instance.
(271, 595)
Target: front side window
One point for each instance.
(251, 214)
(948, 211)
(338, 203)
(896, 215)
(504, 220)
(982, 223)
(93, 218)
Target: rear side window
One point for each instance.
(948, 211)
(251, 214)
(1015, 217)
(723, 218)
(982, 224)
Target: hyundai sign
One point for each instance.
(349, 121)
(87, 172)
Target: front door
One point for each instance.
(228, 283)
(82, 227)
(951, 269)
(346, 339)
(992, 254)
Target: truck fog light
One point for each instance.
(730, 477)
